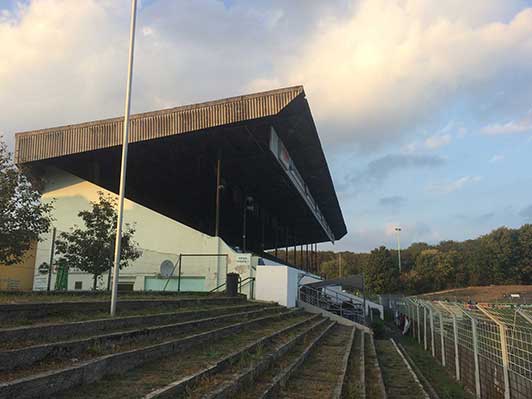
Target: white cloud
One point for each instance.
(496, 158)
(455, 185)
(392, 65)
(522, 125)
(437, 141)
(373, 70)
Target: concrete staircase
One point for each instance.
(209, 348)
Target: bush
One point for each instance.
(378, 329)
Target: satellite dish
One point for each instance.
(167, 268)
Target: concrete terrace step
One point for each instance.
(18, 337)
(267, 383)
(50, 383)
(25, 357)
(399, 380)
(354, 381)
(41, 310)
(374, 383)
(227, 384)
(223, 376)
(322, 374)
(179, 368)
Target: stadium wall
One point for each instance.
(159, 238)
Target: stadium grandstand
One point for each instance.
(243, 177)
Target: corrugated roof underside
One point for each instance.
(66, 140)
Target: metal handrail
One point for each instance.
(248, 280)
(320, 298)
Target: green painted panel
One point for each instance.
(187, 284)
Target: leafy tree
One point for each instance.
(525, 258)
(382, 273)
(329, 268)
(433, 269)
(23, 217)
(91, 248)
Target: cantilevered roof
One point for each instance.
(172, 158)
(71, 139)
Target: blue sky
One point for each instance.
(424, 107)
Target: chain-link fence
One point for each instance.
(487, 347)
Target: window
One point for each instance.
(78, 285)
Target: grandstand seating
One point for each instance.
(204, 348)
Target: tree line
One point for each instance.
(504, 256)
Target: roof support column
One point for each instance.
(219, 187)
(286, 243)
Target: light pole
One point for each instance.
(123, 165)
(398, 231)
(248, 206)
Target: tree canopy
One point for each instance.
(91, 248)
(503, 256)
(23, 217)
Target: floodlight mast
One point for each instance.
(398, 230)
(123, 166)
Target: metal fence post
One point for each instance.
(179, 275)
(456, 353)
(475, 354)
(411, 317)
(418, 324)
(504, 350)
(432, 333)
(442, 336)
(425, 327)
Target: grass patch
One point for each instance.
(11, 297)
(138, 382)
(438, 377)
(398, 381)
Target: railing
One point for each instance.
(333, 301)
(487, 347)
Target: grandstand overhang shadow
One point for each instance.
(267, 147)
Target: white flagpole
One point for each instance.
(123, 166)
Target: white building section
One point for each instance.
(160, 239)
(278, 284)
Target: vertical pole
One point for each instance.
(295, 250)
(504, 350)
(442, 337)
(456, 353)
(475, 354)
(51, 264)
(505, 360)
(398, 230)
(244, 224)
(218, 188)
(364, 296)
(432, 333)
(123, 165)
(418, 324)
(179, 275)
(425, 345)
(286, 243)
(276, 240)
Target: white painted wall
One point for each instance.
(277, 284)
(159, 238)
